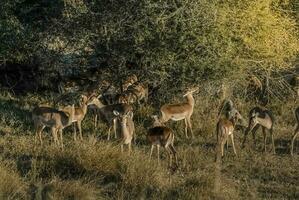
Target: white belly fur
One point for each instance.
(177, 117)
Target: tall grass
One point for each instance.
(88, 170)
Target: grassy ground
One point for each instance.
(84, 170)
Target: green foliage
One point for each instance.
(189, 40)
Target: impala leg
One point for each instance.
(253, 134)
(109, 133)
(174, 154)
(80, 129)
(273, 142)
(75, 132)
(95, 121)
(114, 128)
(122, 148)
(186, 128)
(39, 130)
(134, 138)
(152, 149)
(232, 138)
(158, 153)
(245, 136)
(145, 98)
(265, 138)
(54, 134)
(190, 126)
(169, 155)
(61, 138)
(293, 139)
(130, 148)
(222, 147)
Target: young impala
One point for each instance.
(160, 135)
(225, 129)
(296, 130)
(260, 117)
(180, 111)
(55, 119)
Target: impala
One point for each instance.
(57, 120)
(80, 113)
(225, 129)
(106, 112)
(296, 129)
(160, 135)
(260, 117)
(180, 111)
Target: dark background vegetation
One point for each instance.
(164, 42)
(246, 50)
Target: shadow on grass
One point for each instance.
(14, 116)
(283, 146)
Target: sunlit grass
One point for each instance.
(88, 170)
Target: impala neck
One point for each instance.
(234, 121)
(84, 108)
(71, 116)
(97, 103)
(124, 128)
(190, 99)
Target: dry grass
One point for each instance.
(84, 170)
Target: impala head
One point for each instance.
(94, 100)
(235, 115)
(156, 121)
(191, 90)
(83, 100)
(123, 117)
(253, 119)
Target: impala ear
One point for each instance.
(153, 116)
(130, 114)
(115, 113)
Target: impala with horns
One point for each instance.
(180, 111)
(106, 112)
(259, 117)
(125, 128)
(225, 128)
(55, 119)
(296, 132)
(160, 135)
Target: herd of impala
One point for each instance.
(119, 116)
